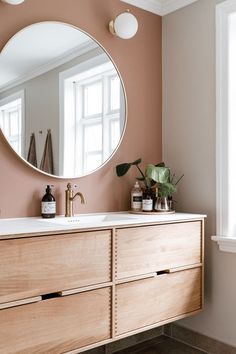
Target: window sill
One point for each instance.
(226, 244)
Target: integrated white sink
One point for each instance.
(36, 225)
(90, 219)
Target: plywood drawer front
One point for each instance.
(41, 265)
(57, 325)
(146, 302)
(147, 249)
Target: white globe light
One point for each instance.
(125, 25)
(13, 2)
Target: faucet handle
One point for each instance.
(70, 186)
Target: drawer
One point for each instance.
(146, 302)
(41, 265)
(147, 249)
(57, 325)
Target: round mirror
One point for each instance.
(62, 100)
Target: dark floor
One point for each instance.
(161, 345)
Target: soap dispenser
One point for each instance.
(48, 204)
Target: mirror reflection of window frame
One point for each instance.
(97, 69)
(14, 104)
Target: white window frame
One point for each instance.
(79, 68)
(226, 241)
(13, 97)
(105, 118)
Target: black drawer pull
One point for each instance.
(163, 272)
(50, 296)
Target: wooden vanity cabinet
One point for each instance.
(71, 292)
(57, 325)
(145, 302)
(147, 249)
(46, 264)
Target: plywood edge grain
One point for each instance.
(136, 277)
(20, 302)
(84, 289)
(179, 269)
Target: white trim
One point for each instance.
(82, 49)
(160, 7)
(154, 6)
(221, 113)
(226, 244)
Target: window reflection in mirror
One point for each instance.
(12, 120)
(92, 89)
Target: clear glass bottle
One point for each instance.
(136, 197)
(48, 204)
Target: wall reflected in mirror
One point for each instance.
(62, 101)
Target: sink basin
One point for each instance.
(90, 219)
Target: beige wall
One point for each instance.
(189, 148)
(139, 62)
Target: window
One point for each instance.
(12, 120)
(226, 125)
(92, 109)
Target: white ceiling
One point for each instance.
(160, 7)
(37, 46)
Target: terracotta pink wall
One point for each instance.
(139, 61)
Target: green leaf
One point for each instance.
(136, 162)
(166, 189)
(161, 164)
(140, 178)
(122, 169)
(158, 174)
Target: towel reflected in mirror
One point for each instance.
(32, 157)
(47, 158)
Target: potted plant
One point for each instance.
(156, 176)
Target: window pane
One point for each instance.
(93, 138)
(92, 162)
(11, 122)
(15, 146)
(115, 133)
(115, 93)
(14, 123)
(93, 99)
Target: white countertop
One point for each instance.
(36, 225)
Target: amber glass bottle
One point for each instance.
(48, 204)
(147, 204)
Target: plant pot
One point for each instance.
(163, 204)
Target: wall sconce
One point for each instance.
(13, 2)
(124, 26)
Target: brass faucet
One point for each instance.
(70, 198)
